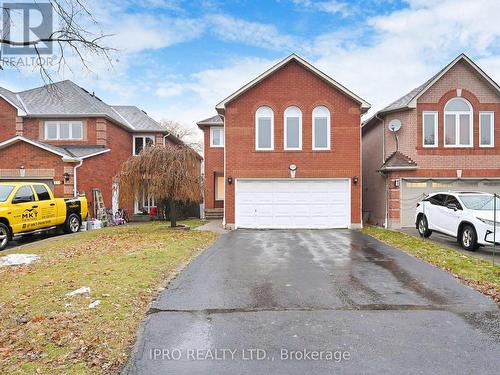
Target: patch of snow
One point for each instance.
(18, 259)
(82, 290)
(94, 304)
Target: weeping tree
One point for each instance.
(170, 173)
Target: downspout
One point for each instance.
(225, 175)
(75, 185)
(386, 192)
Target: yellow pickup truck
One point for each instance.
(30, 207)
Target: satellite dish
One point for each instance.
(394, 125)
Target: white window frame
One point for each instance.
(257, 117)
(285, 124)
(212, 128)
(457, 125)
(492, 129)
(58, 130)
(436, 128)
(328, 128)
(143, 142)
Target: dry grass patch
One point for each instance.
(43, 331)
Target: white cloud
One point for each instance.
(329, 6)
(257, 34)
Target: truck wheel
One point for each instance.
(468, 238)
(72, 224)
(423, 227)
(4, 235)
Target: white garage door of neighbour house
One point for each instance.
(412, 191)
(293, 203)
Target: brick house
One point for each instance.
(70, 139)
(449, 139)
(284, 151)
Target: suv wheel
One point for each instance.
(4, 236)
(468, 238)
(423, 227)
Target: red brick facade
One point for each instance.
(461, 80)
(95, 172)
(213, 165)
(291, 85)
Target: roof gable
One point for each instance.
(364, 104)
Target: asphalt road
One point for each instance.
(246, 303)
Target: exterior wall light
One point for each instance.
(66, 176)
(396, 183)
(229, 180)
(22, 171)
(293, 170)
(355, 179)
(459, 173)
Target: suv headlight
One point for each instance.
(489, 222)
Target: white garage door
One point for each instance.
(297, 203)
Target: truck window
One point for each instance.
(41, 191)
(5, 191)
(25, 194)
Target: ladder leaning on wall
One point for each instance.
(99, 207)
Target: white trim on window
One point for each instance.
(321, 112)
(152, 137)
(436, 128)
(292, 112)
(57, 125)
(492, 128)
(266, 113)
(457, 114)
(218, 128)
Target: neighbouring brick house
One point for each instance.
(69, 138)
(284, 151)
(449, 140)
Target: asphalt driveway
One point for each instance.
(245, 304)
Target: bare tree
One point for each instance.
(169, 173)
(184, 133)
(71, 35)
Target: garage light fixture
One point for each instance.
(355, 179)
(396, 183)
(229, 180)
(66, 176)
(293, 170)
(459, 173)
(22, 171)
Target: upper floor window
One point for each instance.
(264, 129)
(293, 129)
(430, 129)
(486, 129)
(216, 136)
(458, 130)
(63, 130)
(141, 142)
(321, 128)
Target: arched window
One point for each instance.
(458, 131)
(321, 128)
(264, 129)
(293, 129)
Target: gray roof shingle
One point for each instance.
(214, 120)
(65, 98)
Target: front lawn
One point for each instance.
(43, 331)
(476, 272)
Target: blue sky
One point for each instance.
(176, 59)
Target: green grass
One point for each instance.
(472, 270)
(42, 331)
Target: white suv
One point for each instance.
(467, 216)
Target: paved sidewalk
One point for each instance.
(213, 226)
